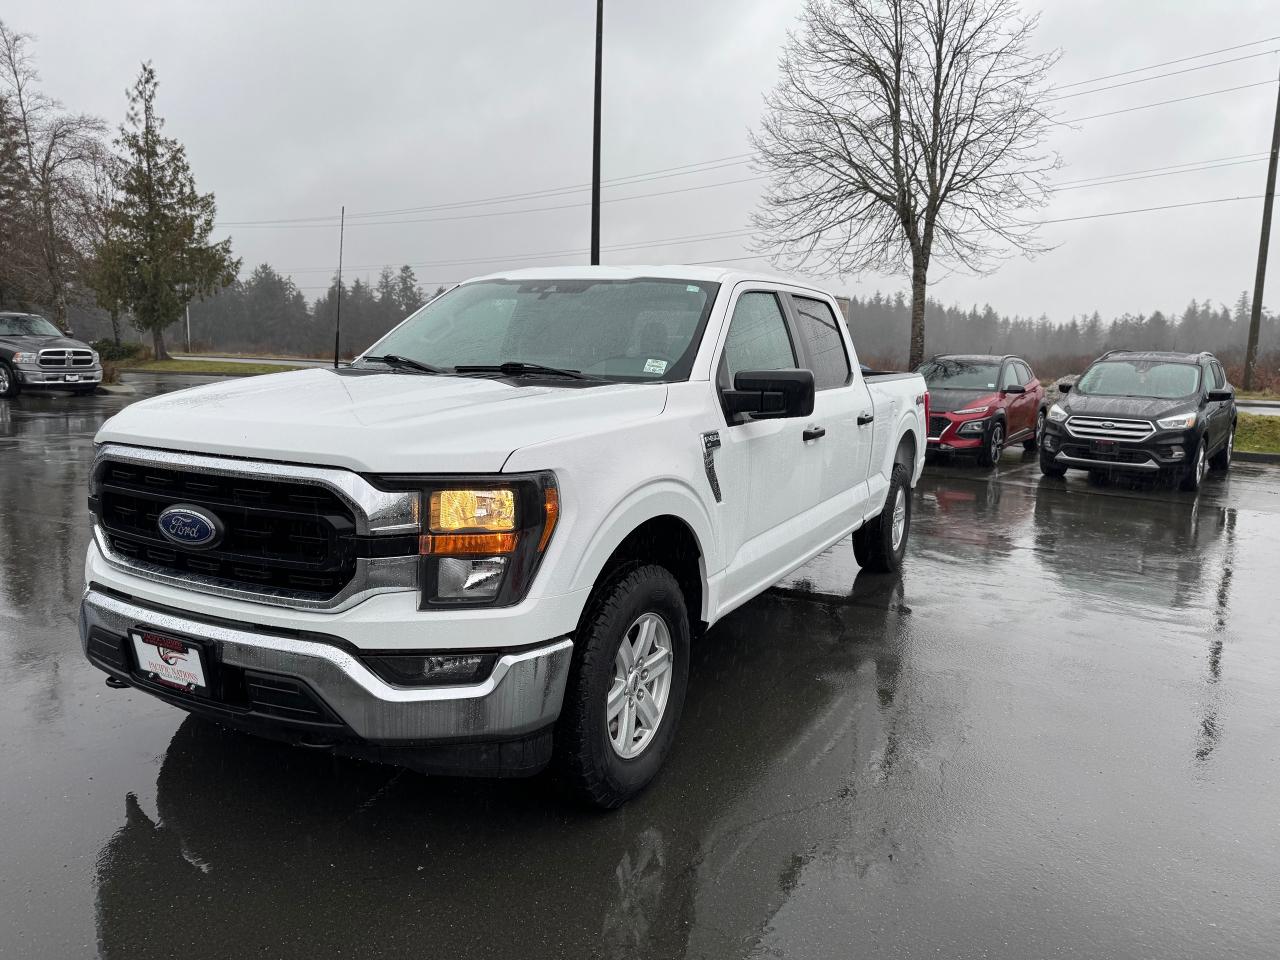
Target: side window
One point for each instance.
(1208, 380)
(758, 338)
(821, 333)
(1025, 373)
(1219, 378)
(1010, 376)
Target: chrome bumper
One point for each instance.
(522, 694)
(36, 376)
(1086, 463)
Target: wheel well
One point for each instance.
(668, 542)
(906, 452)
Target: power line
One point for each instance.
(1167, 63)
(1161, 76)
(1161, 103)
(1171, 166)
(1121, 213)
(1154, 176)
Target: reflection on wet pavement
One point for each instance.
(1054, 735)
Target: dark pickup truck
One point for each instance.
(1144, 412)
(36, 354)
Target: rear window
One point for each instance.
(1158, 379)
(825, 346)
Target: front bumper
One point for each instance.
(498, 726)
(34, 375)
(950, 439)
(1163, 450)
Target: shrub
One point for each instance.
(110, 350)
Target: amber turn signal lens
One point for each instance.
(551, 510)
(472, 510)
(466, 544)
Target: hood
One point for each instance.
(378, 422)
(1127, 408)
(40, 343)
(944, 401)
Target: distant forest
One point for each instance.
(267, 313)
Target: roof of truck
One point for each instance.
(698, 272)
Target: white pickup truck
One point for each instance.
(487, 544)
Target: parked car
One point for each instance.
(1144, 412)
(979, 403)
(34, 354)
(490, 540)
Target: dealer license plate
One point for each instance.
(1105, 447)
(72, 378)
(168, 660)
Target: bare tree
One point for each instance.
(57, 150)
(901, 131)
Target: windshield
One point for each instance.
(949, 374)
(27, 325)
(1158, 379)
(644, 329)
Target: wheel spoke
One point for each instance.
(656, 664)
(617, 697)
(627, 726)
(644, 642)
(626, 654)
(648, 712)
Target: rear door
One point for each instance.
(1019, 407)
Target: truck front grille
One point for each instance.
(1102, 428)
(279, 536)
(63, 359)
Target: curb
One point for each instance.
(1248, 456)
(1258, 403)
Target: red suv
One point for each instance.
(979, 404)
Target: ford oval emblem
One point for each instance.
(1108, 425)
(190, 527)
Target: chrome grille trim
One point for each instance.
(1105, 428)
(61, 358)
(376, 512)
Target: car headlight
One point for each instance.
(1182, 421)
(26, 357)
(482, 538)
(96, 357)
(968, 410)
(973, 426)
(1057, 414)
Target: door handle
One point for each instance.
(814, 433)
(864, 418)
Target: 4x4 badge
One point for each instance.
(710, 444)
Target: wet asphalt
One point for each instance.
(1055, 734)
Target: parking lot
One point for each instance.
(1055, 734)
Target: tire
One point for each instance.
(992, 446)
(591, 750)
(1033, 442)
(1193, 476)
(1222, 459)
(9, 385)
(876, 546)
(1049, 468)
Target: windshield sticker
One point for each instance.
(655, 366)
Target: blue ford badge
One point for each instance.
(190, 527)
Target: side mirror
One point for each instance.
(1219, 396)
(771, 394)
(1014, 388)
(1064, 387)
(68, 333)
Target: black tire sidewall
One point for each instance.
(14, 386)
(647, 589)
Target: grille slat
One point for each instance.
(60, 358)
(938, 425)
(278, 535)
(1103, 428)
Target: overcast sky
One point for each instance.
(289, 110)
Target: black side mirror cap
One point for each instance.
(1014, 388)
(771, 394)
(1218, 396)
(68, 333)
(1064, 388)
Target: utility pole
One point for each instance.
(188, 328)
(595, 142)
(1268, 200)
(337, 323)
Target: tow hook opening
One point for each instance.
(115, 683)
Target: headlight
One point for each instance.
(26, 357)
(1181, 422)
(96, 358)
(973, 426)
(482, 538)
(967, 410)
(1057, 414)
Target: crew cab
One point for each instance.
(1144, 412)
(36, 354)
(489, 542)
(979, 403)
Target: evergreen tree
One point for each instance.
(13, 194)
(164, 223)
(408, 293)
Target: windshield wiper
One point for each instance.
(405, 363)
(516, 368)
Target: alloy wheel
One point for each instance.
(899, 518)
(4, 379)
(1039, 428)
(1201, 464)
(642, 673)
(997, 442)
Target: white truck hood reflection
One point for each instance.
(379, 422)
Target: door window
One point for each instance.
(1219, 378)
(1010, 376)
(823, 343)
(1024, 373)
(758, 338)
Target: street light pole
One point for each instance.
(1255, 316)
(595, 142)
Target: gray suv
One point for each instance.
(36, 354)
